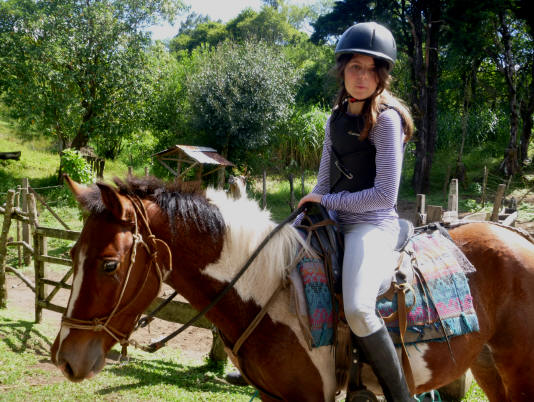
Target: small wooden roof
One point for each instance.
(203, 155)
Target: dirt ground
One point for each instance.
(194, 343)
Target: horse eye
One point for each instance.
(110, 266)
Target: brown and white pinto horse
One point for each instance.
(211, 235)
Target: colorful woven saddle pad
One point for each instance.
(439, 301)
(440, 305)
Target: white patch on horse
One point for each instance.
(75, 293)
(246, 226)
(421, 373)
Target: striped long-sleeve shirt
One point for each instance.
(376, 204)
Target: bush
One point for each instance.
(74, 164)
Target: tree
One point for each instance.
(77, 69)
(240, 94)
(197, 30)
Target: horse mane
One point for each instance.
(180, 201)
(247, 226)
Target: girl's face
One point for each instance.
(360, 76)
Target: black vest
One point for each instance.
(352, 162)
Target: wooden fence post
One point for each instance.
(20, 249)
(497, 203)
(420, 212)
(453, 196)
(39, 248)
(291, 193)
(434, 213)
(25, 225)
(484, 183)
(3, 247)
(264, 194)
(146, 170)
(217, 352)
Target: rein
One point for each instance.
(162, 342)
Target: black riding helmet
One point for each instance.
(371, 39)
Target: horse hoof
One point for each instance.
(362, 395)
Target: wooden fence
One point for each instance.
(175, 311)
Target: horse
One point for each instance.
(141, 232)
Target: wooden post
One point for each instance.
(38, 265)
(25, 225)
(220, 177)
(217, 352)
(484, 183)
(130, 170)
(291, 193)
(453, 196)
(434, 213)
(3, 247)
(264, 194)
(20, 249)
(497, 203)
(446, 181)
(420, 212)
(146, 170)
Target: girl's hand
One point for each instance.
(312, 197)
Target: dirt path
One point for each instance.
(194, 343)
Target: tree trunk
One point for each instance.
(510, 163)
(527, 109)
(433, 16)
(418, 99)
(425, 77)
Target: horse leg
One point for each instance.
(516, 371)
(487, 376)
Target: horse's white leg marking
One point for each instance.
(75, 293)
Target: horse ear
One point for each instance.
(77, 189)
(117, 204)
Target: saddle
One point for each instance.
(396, 297)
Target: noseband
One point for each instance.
(104, 323)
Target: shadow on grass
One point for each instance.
(157, 372)
(25, 337)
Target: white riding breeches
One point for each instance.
(369, 258)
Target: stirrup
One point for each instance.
(361, 395)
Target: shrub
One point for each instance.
(74, 164)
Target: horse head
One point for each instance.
(118, 269)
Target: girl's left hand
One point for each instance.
(311, 197)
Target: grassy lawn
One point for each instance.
(26, 373)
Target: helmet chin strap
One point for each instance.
(353, 100)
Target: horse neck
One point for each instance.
(203, 265)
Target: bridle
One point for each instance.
(104, 323)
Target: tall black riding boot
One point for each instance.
(381, 355)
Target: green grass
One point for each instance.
(26, 375)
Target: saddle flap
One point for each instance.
(325, 238)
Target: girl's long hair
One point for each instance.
(375, 104)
